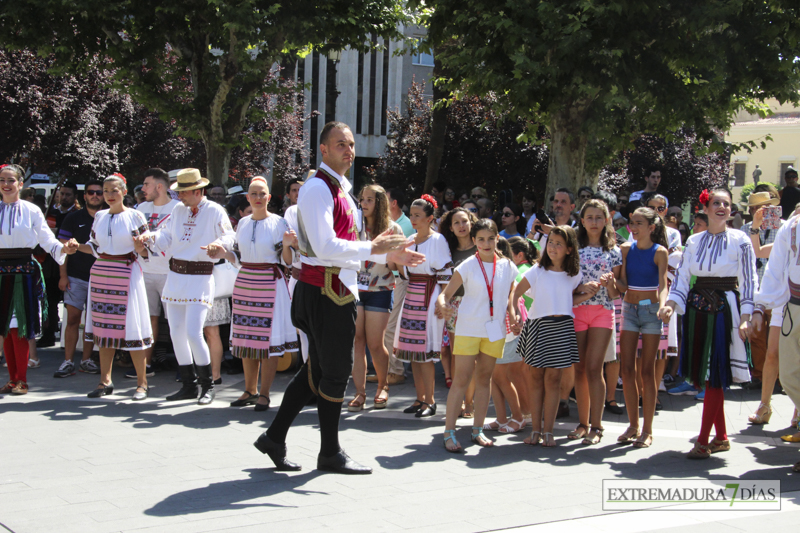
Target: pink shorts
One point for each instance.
(593, 316)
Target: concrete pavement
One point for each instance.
(70, 463)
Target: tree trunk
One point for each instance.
(567, 163)
(438, 127)
(218, 160)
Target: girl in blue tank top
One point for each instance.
(644, 282)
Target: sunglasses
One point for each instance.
(472, 209)
(477, 196)
(660, 208)
(93, 193)
(508, 214)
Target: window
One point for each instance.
(784, 168)
(738, 173)
(422, 58)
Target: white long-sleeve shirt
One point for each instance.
(726, 254)
(22, 225)
(315, 215)
(783, 268)
(181, 238)
(113, 234)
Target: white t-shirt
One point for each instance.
(551, 292)
(156, 216)
(473, 312)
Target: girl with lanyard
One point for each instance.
(418, 337)
(716, 314)
(601, 262)
(120, 316)
(547, 342)
(375, 286)
(261, 325)
(644, 282)
(488, 280)
(22, 291)
(455, 227)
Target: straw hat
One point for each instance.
(189, 179)
(761, 198)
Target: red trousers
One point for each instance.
(16, 350)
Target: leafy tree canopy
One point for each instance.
(600, 74)
(198, 62)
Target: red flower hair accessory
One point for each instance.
(430, 199)
(120, 176)
(704, 197)
(3, 166)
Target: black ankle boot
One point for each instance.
(189, 389)
(206, 385)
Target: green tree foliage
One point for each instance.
(479, 149)
(200, 63)
(598, 75)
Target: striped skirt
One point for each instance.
(418, 337)
(549, 342)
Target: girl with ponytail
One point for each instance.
(644, 281)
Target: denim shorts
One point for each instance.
(376, 301)
(641, 318)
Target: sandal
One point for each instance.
(34, 363)
(630, 435)
(493, 426)
(534, 439)
(547, 440)
(467, 413)
(508, 428)
(8, 387)
(355, 405)
(450, 434)
(699, 451)
(486, 442)
(719, 446)
(644, 441)
(578, 433)
(762, 414)
(594, 436)
(380, 401)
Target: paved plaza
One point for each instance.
(72, 464)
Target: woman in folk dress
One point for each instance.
(119, 316)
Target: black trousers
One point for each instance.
(331, 331)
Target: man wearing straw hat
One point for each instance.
(323, 304)
(189, 291)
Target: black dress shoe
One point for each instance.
(218, 381)
(413, 408)
(241, 402)
(341, 464)
(426, 410)
(105, 390)
(614, 408)
(261, 406)
(276, 452)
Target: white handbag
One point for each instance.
(224, 278)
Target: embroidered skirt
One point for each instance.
(261, 326)
(22, 295)
(549, 342)
(119, 314)
(418, 337)
(712, 349)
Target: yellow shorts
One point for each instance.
(473, 345)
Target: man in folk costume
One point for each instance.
(324, 305)
(780, 289)
(189, 290)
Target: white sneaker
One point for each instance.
(65, 370)
(661, 387)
